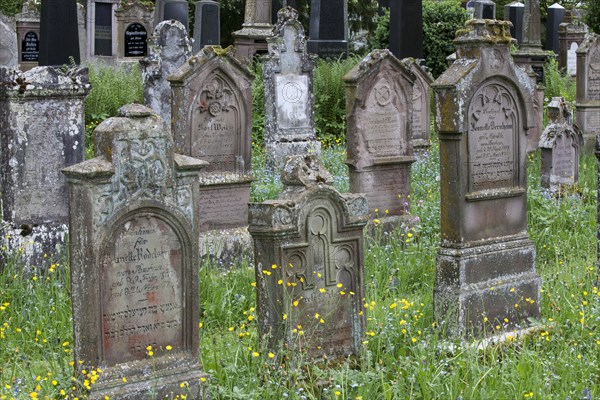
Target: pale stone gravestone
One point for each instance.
(308, 248)
(134, 256)
(257, 27)
(486, 263)
(406, 28)
(289, 99)
(58, 28)
(556, 15)
(207, 24)
(571, 34)
(328, 28)
(588, 89)
(9, 56)
(134, 21)
(28, 33)
(421, 106)
(513, 12)
(169, 48)
(379, 93)
(41, 132)
(560, 143)
(212, 120)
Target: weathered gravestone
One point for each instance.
(556, 15)
(421, 106)
(134, 257)
(9, 56)
(486, 263)
(379, 93)
(588, 89)
(328, 28)
(308, 248)
(28, 33)
(134, 21)
(207, 24)
(560, 143)
(257, 27)
(41, 132)
(571, 34)
(58, 28)
(212, 120)
(289, 98)
(170, 47)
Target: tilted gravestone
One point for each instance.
(588, 89)
(170, 47)
(134, 256)
(9, 56)
(289, 98)
(212, 120)
(421, 105)
(41, 132)
(134, 22)
(328, 28)
(207, 24)
(486, 263)
(308, 248)
(560, 143)
(379, 93)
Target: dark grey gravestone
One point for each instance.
(59, 33)
(103, 27)
(556, 15)
(207, 25)
(406, 28)
(513, 12)
(328, 30)
(485, 9)
(136, 41)
(177, 10)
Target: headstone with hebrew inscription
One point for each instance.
(560, 143)
(379, 94)
(212, 120)
(289, 99)
(134, 24)
(486, 263)
(308, 248)
(134, 256)
(41, 132)
(169, 49)
(588, 89)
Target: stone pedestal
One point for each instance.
(486, 263)
(588, 89)
(41, 132)
(571, 34)
(252, 38)
(134, 23)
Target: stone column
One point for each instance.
(513, 12)
(257, 27)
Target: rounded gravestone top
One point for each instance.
(135, 111)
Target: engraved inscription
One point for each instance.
(419, 116)
(592, 120)
(141, 290)
(564, 158)
(593, 83)
(384, 123)
(492, 135)
(224, 208)
(291, 99)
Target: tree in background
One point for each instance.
(11, 7)
(592, 14)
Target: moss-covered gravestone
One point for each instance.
(486, 265)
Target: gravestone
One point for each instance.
(486, 263)
(9, 56)
(328, 28)
(406, 28)
(257, 27)
(530, 53)
(28, 36)
(513, 12)
(177, 10)
(556, 15)
(485, 9)
(560, 143)
(133, 258)
(308, 249)
(134, 21)
(81, 32)
(421, 106)
(41, 132)
(379, 94)
(58, 28)
(207, 24)
(212, 120)
(169, 48)
(588, 89)
(571, 34)
(279, 4)
(101, 26)
(289, 100)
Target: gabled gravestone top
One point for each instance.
(289, 98)
(309, 263)
(486, 263)
(588, 88)
(134, 254)
(560, 143)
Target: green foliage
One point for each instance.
(11, 7)
(558, 83)
(592, 15)
(232, 17)
(381, 37)
(258, 104)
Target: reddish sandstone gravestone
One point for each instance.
(133, 254)
(588, 88)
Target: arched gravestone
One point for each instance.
(134, 20)
(486, 263)
(30, 47)
(136, 44)
(588, 88)
(133, 255)
(308, 248)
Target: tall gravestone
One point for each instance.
(41, 132)
(328, 28)
(28, 36)
(134, 23)
(101, 27)
(406, 28)
(212, 120)
(560, 143)
(177, 10)
(571, 34)
(588, 89)
(9, 56)
(81, 32)
(308, 249)
(134, 257)
(169, 48)
(207, 24)
(257, 27)
(513, 12)
(486, 263)
(556, 15)
(485, 9)
(421, 105)
(58, 27)
(289, 98)
(379, 93)
(530, 53)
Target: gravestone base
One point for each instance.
(481, 287)
(249, 42)
(226, 247)
(328, 48)
(171, 376)
(278, 151)
(588, 120)
(38, 246)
